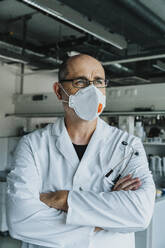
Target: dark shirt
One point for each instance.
(80, 150)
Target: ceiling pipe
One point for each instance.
(134, 59)
(24, 36)
(13, 53)
(145, 13)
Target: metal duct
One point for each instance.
(145, 13)
(14, 54)
(134, 59)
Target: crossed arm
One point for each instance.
(58, 199)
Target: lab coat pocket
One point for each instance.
(107, 184)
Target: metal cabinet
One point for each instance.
(3, 153)
(7, 147)
(3, 222)
(12, 144)
(153, 236)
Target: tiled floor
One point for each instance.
(7, 242)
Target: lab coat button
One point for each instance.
(80, 189)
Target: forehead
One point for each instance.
(85, 66)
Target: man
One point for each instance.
(66, 190)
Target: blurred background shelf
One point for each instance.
(153, 144)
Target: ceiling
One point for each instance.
(127, 36)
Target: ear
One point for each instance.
(57, 90)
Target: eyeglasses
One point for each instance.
(83, 82)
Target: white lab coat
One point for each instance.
(45, 160)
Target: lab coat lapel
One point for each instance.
(64, 144)
(96, 142)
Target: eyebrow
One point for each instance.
(83, 77)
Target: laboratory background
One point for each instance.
(127, 37)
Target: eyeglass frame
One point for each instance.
(88, 81)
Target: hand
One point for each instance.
(97, 229)
(56, 199)
(127, 183)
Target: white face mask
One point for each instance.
(88, 103)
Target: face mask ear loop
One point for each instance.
(64, 92)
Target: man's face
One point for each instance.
(83, 67)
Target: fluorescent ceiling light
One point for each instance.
(13, 59)
(120, 67)
(74, 19)
(48, 10)
(72, 53)
(159, 65)
(117, 65)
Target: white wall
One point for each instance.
(39, 82)
(10, 84)
(141, 96)
(8, 125)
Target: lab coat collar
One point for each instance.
(59, 127)
(64, 143)
(65, 146)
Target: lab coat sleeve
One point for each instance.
(117, 211)
(29, 219)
